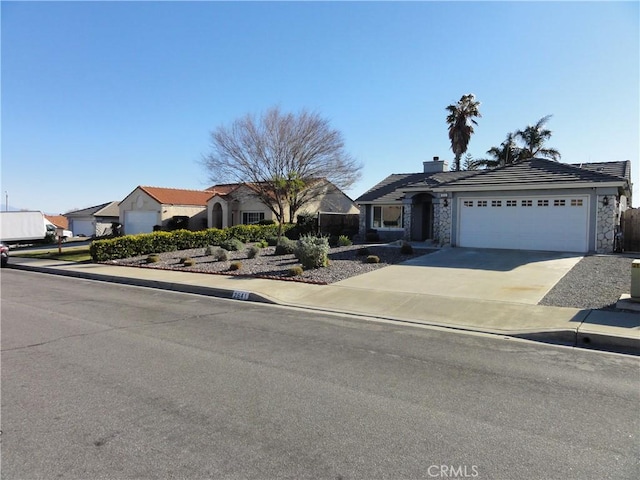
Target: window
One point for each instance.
(559, 202)
(468, 203)
(543, 203)
(249, 218)
(482, 203)
(526, 203)
(387, 216)
(496, 203)
(512, 203)
(576, 202)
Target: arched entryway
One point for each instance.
(216, 216)
(422, 217)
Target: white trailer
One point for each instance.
(22, 226)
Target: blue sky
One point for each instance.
(99, 97)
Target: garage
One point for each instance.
(82, 228)
(139, 222)
(552, 223)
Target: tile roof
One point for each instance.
(536, 171)
(530, 172)
(391, 189)
(619, 169)
(228, 188)
(87, 211)
(58, 220)
(176, 196)
(111, 210)
(224, 189)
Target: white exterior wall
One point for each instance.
(251, 204)
(140, 201)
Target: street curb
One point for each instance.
(610, 343)
(158, 284)
(558, 337)
(567, 337)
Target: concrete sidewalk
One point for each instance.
(606, 330)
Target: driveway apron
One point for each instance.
(485, 274)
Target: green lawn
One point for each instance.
(69, 254)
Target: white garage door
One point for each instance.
(83, 228)
(553, 223)
(139, 222)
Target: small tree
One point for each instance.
(469, 163)
(283, 157)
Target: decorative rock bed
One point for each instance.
(344, 262)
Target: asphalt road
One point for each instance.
(107, 381)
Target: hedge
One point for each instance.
(159, 242)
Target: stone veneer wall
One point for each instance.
(363, 221)
(406, 219)
(442, 223)
(606, 224)
(436, 223)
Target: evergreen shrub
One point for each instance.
(312, 251)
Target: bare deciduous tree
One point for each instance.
(282, 157)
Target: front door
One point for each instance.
(427, 221)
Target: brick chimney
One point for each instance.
(435, 165)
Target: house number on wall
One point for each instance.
(240, 295)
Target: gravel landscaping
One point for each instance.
(596, 282)
(345, 262)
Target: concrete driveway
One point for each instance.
(497, 275)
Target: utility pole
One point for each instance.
(6, 201)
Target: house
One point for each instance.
(58, 224)
(238, 203)
(219, 206)
(93, 221)
(146, 208)
(536, 204)
(59, 221)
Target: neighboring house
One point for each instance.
(536, 204)
(238, 203)
(93, 221)
(59, 221)
(54, 223)
(219, 206)
(106, 217)
(147, 207)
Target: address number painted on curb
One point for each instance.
(240, 295)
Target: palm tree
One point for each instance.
(534, 137)
(461, 120)
(508, 152)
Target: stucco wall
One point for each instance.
(139, 201)
(197, 215)
(331, 201)
(245, 201)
